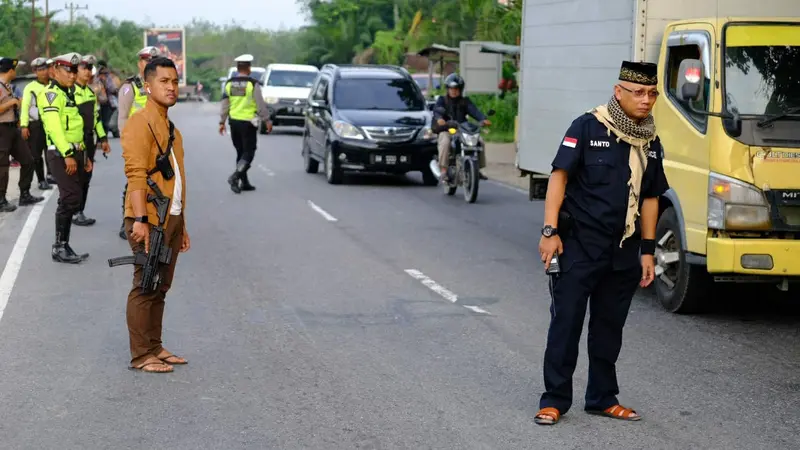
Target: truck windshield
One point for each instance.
(761, 68)
(286, 78)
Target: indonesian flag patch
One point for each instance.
(570, 142)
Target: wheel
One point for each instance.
(471, 180)
(332, 173)
(310, 164)
(680, 287)
(428, 177)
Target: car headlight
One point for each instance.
(427, 134)
(470, 140)
(736, 205)
(346, 130)
(271, 100)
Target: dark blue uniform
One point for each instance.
(593, 264)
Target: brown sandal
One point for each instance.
(144, 367)
(173, 359)
(617, 412)
(547, 416)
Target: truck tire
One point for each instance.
(690, 282)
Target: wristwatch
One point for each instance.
(141, 219)
(548, 231)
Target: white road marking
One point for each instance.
(322, 212)
(266, 170)
(441, 290)
(14, 263)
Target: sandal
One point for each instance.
(173, 359)
(547, 416)
(617, 412)
(154, 367)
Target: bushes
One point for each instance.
(502, 128)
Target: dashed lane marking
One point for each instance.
(14, 263)
(322, 212)
(264, 169)
(441, 290)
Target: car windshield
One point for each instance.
(422, 82)
(761, 68)
(383, 94)
(287, 78)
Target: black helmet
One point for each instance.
(454, 81)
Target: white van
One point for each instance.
(286, 89)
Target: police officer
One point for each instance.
(242, 103)
(63, 126)
(87, 106)
(132, 98)
(30, 122)
(11, 141)
(600, 214)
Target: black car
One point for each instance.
(367, 118)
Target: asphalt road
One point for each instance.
(373, 315)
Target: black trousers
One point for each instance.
(12, 144)
(91, 146)
(609, 293)
(244, 136)
(37, 143)
(70, 187)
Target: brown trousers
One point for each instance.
(12, 144)
(146, 311)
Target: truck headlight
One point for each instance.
(346, 130)
(470, 140)
(736, 205)
(270, 100)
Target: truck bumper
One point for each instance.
(765, 257)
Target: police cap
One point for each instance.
(244, 59)
(39, 63)
(68, 60)
(7, 64)
(149, 53)
(88, 60)
(639, 73)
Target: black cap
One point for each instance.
(639, 72)
(7, 64)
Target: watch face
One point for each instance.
(547, 231)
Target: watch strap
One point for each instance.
(141, 219)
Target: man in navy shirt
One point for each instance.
(601, 211)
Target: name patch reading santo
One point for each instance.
(599, 144)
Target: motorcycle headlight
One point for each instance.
(470, 140)
(346, 130)
(427, 134)
(736, 205)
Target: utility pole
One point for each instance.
(72, 8)
(47, 28)
(32, 42)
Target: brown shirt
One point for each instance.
(139, 150)
(6, 95)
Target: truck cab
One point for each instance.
(728, 118)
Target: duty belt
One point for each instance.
(75, 147)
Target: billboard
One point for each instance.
(172, 43)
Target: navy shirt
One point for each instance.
(597, 190)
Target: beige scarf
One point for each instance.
(639, 136)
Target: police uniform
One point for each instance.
(30, 118)
(12, 143)
(242, 103)
(87, 106)
(601, 257)
(63, 126)
(132, 98)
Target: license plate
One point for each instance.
(391, 159)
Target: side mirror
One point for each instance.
(429, 105)
(490, 112)
(690, 80)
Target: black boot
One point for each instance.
(44, 186)
(25, 198)
(62, 252)
(50, 179)
(5, 206)
(236, 177)
(246, 186)
(81, 220)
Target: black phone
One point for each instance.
(555, 267)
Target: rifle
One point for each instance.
(160, 254)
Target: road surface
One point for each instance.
(379, 314)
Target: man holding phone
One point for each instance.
(601, 211)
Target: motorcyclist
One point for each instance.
(456, 107)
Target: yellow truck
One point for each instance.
(728, 117)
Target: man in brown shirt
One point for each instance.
(141, 138)
(11, 142)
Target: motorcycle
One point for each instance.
(463, 166)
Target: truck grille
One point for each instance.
(390, 134)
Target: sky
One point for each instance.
(271, 14)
